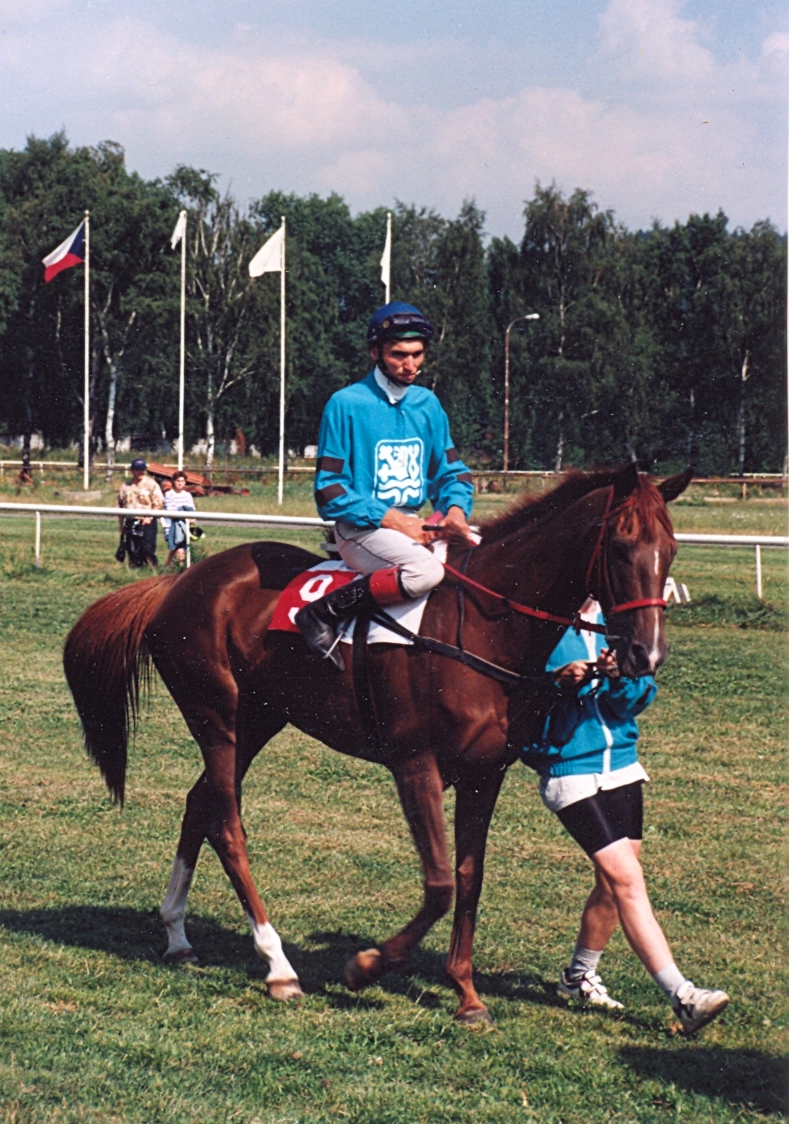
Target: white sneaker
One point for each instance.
(695, 1007)
(588, 989)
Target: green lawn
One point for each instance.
(94, 1027)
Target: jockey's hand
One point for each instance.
(148, 519)
(574, 674)
(411, 525)
(606, 663)
(454, 527)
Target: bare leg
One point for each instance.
(474, 806)
(621, 868)
(600, 916)
(421, 790)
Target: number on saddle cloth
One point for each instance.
(307, 587)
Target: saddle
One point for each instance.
(325, 576)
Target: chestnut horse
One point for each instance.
(608, 533)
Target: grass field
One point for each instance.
(94, 1027)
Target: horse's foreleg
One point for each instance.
(474, 804)
(421, 789)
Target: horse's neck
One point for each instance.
(545, 567)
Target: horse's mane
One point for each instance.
(645, 510)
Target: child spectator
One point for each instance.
(175, 530)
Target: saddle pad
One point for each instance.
(326, 576)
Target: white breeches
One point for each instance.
(368, 550)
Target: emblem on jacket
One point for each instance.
(398, 471)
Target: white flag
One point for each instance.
(268, 259)
(180, 230)
(386, 256)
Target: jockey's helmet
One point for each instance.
(398, 321)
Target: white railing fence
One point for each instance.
(305, 521)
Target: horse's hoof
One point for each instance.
(365, 968)
(477, 1016)
(283, 990)
(181, 956)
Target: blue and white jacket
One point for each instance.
(374, 454)
(590, 736)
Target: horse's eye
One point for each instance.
(621, 551)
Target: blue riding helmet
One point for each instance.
(398, 321)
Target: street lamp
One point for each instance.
(510, 326)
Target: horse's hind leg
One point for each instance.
(213, 811)
(173, 911)
(421, 790)
(475, 800)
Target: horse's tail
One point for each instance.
(107, 664)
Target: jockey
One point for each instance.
(383, 449)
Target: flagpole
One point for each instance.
(182, 371)
(389, 264)
(282, 366)
(86, 388)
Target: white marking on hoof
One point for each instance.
(173, 911)
(268, 946)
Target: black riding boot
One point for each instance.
(321, 621)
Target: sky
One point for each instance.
(660, 108)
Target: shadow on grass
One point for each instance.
(137, 935)
(131, 934)
(427, 965)
(746, 1079)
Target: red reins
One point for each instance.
(597, 558)
(525, 609)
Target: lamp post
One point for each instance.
(510, 326)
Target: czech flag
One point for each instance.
(71, 252)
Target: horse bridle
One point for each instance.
(598, 562)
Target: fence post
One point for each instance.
(38, 540)
(759, 572)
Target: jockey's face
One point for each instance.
(400, 360)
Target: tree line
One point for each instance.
(664, 346)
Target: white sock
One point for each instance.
(584, 960)
(670, 979)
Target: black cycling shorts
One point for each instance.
(611, 814)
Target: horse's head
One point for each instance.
(630, 565)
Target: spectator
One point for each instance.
(139, 535)
(176, 530)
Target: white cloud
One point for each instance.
(649, 40)
(268, 111)
(776, 44)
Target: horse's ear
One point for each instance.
(675, 485)
(625, 481)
